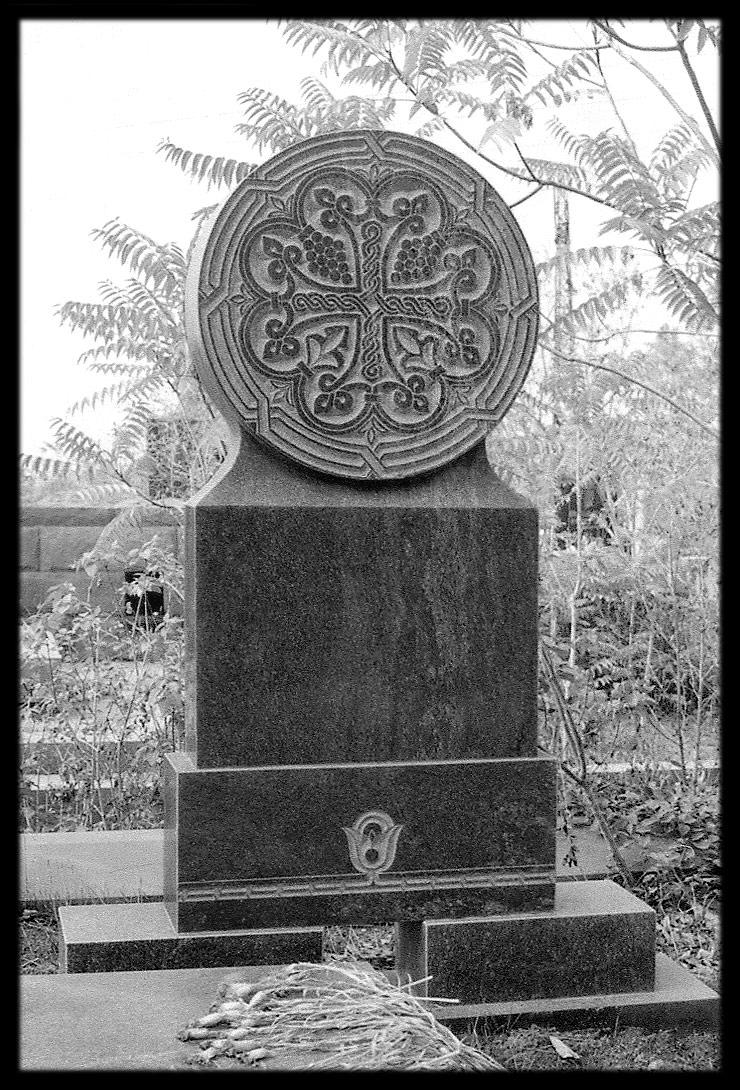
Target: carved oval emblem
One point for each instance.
(366, 303)
(372, 842)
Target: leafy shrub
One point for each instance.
(101, 698)
(670, 825)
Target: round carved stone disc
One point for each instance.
(366, 303)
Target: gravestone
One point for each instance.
(361, 740)
(361, 591)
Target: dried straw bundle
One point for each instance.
(330, 1016)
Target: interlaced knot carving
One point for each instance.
(370, 307)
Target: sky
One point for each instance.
(98, 95)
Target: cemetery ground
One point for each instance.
(104, 773)
(519, 1047)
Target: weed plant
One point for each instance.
(101, 698)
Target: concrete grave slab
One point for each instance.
(130, 1021)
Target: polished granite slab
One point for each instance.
(356, 844)
(599, 938)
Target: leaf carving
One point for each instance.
(273, 247)
(325, 196)
(314, 351)
(334, 338)
(407, 341)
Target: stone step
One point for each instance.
(140, 937)
(598, 937)
(130, 1020)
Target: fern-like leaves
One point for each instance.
(492, 42)
(564, 174)
(698, 229)
(344, 45)
(77, 446)
(271, 123)
(161, 266)
(685, 300)
(54, 469)
(213, 170)
(562, 84)
(588, 256)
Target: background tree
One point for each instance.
(168, 439)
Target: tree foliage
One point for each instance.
(487, 81)
(140, 344)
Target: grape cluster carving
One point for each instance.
(326, 256)
(418, 258)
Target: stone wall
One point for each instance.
(53, 538)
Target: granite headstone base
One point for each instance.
(356, 844)
(599, 939)
(139, 937)
(331, 622)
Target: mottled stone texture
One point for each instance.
(330, 622)
(385, 348)
(266, 846)
(599, 939)
(140, 937)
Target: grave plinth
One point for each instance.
(361, 589)
(376, 654)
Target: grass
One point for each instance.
(626, 1048)
(39, 945)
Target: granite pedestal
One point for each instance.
(532, 955)
(259, 846)
(141, 937)
(358, 654)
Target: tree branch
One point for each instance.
(434, 110)
(634, 382)
(574, 49)
(622, 332)
(621, 120)
(577, 48)
(699, 94)
(631, 45)
(581, 777)
(686, 118)
(523, 199)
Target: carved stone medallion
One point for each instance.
(366, 303)
(372, 842)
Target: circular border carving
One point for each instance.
(365, 303)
